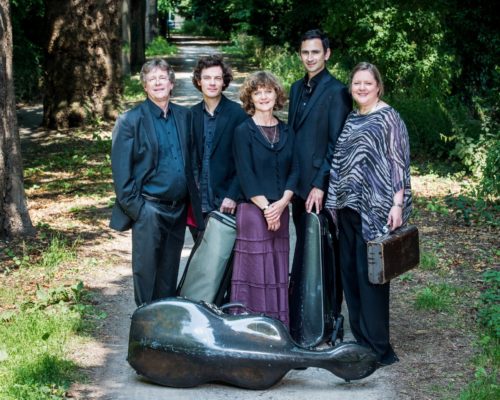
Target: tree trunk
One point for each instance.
(137, 37)
(83, 61)
(126, 37)
(151, 20)
(14, 216)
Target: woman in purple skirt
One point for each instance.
(263, 150)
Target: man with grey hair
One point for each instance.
(154, 183)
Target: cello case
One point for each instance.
(180, 343)
(207, 275)
(315, 284)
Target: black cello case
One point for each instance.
(180, 343)
(207, 275)
(315, 293)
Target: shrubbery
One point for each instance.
(199, 28)
(160, 47)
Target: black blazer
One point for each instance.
(223, 179)
(134, 158)
(263, 170)
(318, 129)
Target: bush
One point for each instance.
(199, 28)
(160, 47)
(244, 45)
(283, 62)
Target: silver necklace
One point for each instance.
(271, 142)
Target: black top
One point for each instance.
(262, 168)
(169, 181)
(222, 172)
(307, 90)
(209, 126)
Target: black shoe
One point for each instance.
(389, 359)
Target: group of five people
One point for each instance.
(243, 160)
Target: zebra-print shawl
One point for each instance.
(370, 164)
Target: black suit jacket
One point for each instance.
(134, 158)
(318, 130)
(223, 179)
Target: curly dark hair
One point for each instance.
(257, 80)
(214, 60)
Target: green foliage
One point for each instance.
(160, 47)
(244, 45)
(485, 384)
(200, 28)
(27, 24)
(283, 62)
(474, 209)
(407, 42)
(484, 387)
(133, 89)
(489, 311)
(428, 261)
(436, 297)
(34, 364)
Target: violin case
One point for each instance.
(315, 285)
(180, 343)
(207, 275)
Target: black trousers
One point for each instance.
(157, 241)
(298, 209)
(368, 304)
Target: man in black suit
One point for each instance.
(214, 121)
(154, 181)
(319, 105)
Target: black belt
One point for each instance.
(169, 203)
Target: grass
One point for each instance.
(34, 364)
(428, 261)
(435, 297)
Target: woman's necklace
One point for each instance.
(271, 140)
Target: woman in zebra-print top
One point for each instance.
(369, 188)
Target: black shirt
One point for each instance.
(209, 125)
(306, 92)
(169, 182)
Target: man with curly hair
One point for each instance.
(214, 121)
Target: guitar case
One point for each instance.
(207, 275)
(315, 305)
(180, 343)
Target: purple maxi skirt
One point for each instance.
(261, 263)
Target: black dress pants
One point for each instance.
(368, 304)
(157, 241)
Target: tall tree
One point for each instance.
(14, 217)
(151, 30)
(137, 34)
(82, 61)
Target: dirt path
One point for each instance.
(110, 376)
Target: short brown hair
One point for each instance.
(366, 66)
(214, 60)
(257, 80)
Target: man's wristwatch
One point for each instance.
(400, 205)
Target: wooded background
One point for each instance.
(439, 59)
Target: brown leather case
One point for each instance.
(393, 254)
